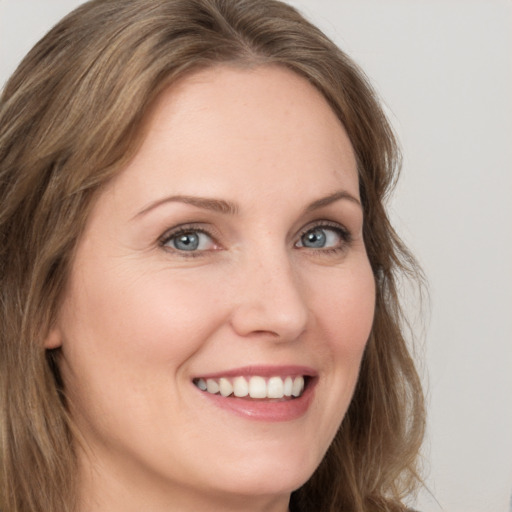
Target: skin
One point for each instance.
(140, 318)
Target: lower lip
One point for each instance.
(265, 410)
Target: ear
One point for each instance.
(53, 339)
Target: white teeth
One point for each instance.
(212, 386)
(275, 387)
(225, 387)
(240, 387)
(255, 387)
(298, 386)
(288, 386)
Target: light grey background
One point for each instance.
(444, 70)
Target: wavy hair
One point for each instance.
(70, 118)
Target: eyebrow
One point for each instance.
(230, 208)
(205, 203)
(332, 198)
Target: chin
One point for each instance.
(271, 475)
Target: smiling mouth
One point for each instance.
(255, 387)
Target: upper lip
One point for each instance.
(263, 371)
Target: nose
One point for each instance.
(270, 299)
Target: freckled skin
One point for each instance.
(141, 319)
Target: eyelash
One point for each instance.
(184, 230)
(342, 232)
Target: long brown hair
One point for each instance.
(70, 117)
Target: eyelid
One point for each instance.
(342, 231)
(210, 231)
(176, 231)
(336, 226)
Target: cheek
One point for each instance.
(345, 306)
(127, 341)
(157, 317)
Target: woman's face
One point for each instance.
(228, 255)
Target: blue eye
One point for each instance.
(189, 241)
(322, 237)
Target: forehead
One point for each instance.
(229, 89)
(215, 128)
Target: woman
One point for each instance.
(199, 309)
